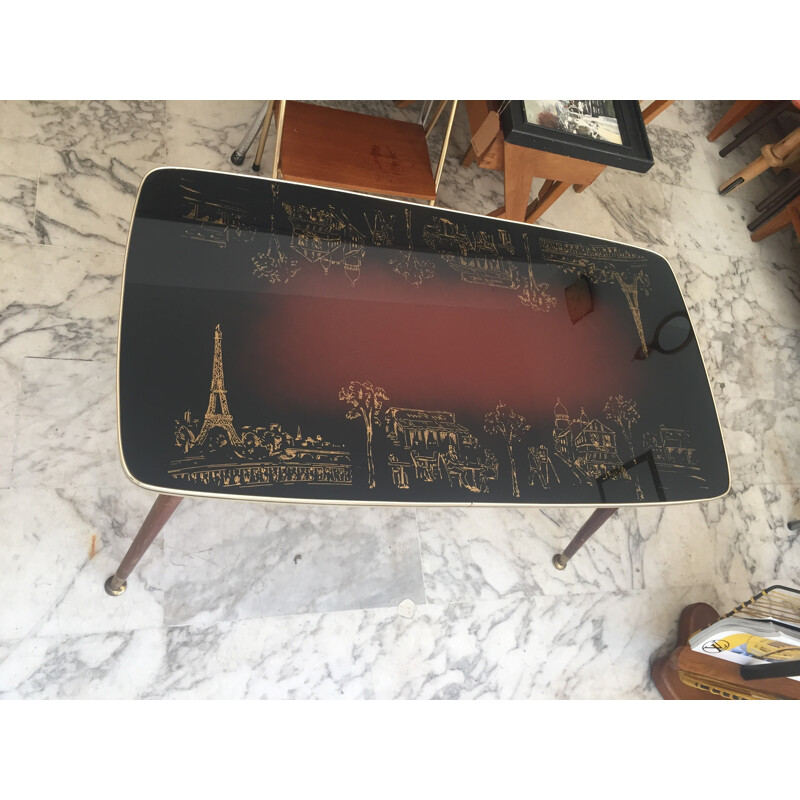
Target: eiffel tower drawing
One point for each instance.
(218, 415)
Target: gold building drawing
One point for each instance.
(431, 447)
(215, 221)
(326, 237)
(672, 451)
(479, 257)
(585, 446)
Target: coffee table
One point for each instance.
(290, 343)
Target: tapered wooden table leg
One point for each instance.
(594, 523)
(161, 511)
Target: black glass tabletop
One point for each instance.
(288, 342)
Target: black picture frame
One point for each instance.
(633, 154)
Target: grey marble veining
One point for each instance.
(19, 175)
(59, 546)
(256, 600)
(495, 553)
(680, 159)
(85, 200)
(231, 561)
(10, 379)
(131, 129)
(761, 439)
(66, 437)
(59, 303)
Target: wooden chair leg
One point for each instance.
(737, 112)
(772, 155)
(161, 511)
(591, 526)
(788, 216)
(654, 109)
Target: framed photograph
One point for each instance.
(610, 132)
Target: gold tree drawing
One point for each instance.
(367, 401)
(506, 423)
(625, 415)
(623, 412)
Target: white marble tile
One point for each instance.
(676, 545)
(756, 549)
(721, 289)
(620, 205)
(707, 222)
(585, 647)
(10, 386)
(58, 303)
(66, 425)
(513, 649)
(679, 158)
(751, 361)
(312, 656)
(59, 547)
(102, 666)
(495, 553)
(85, 199)
(761, 439)
(229, 561)
(204, 133)
(130, 129)
(697, 117)
(19, 175)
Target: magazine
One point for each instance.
(749, 641)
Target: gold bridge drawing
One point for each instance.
(216, 222)
(604, 263)
(485, 258)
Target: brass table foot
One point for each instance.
(114, 586)
(559, 561)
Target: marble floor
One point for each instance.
(328, 602)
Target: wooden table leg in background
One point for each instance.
(161, 511)
(593, 524)
(517, 182)
(548, 194)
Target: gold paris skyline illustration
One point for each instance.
(327, 237)
(422, 447)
